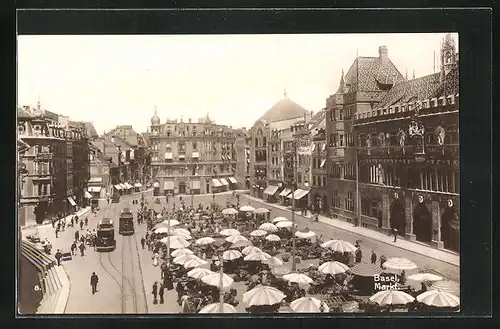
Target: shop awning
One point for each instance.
(233, 180)
(70, 199)
(168, 156)
(271, 189)
(285, 192)
(216, 183)
(118, 187)
(137, 185)
(195, 155)
(168, 185)
(87, 195)
(322, 163)
(298, 194)
(156, 185)
(95, 180)
(182, 156)
(224, 181)
(195, 184)
(129, 186)
(94, 189)
(123, 186)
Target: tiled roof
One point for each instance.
(91, 131)
(21, 113)
(317, 119)
(372, 74)
(451, 82)
(146, 136)
(285, 109)
(421, 88)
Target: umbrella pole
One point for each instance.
(168, 244)
(221, 295)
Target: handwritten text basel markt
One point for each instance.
(384, 282)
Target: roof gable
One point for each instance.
(372, 74)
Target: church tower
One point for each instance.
(448, 55)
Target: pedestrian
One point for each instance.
(63, 224)
(73, 248)
(57, 232)
(374, 257)
(77, 235)
(382, 261)
(53, 222)
(155, 292)
(143, 242)
(72, 221)
(94, 279)
(58, 227)
(58, 256)
(82, 249)
(86, 221)
(81, 225)
(160, 292)
(395, 232)
(359, 255)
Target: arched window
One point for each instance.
(256, 142)
(264, 142)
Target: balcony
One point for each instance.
(43, 156)
(448, 151)
(408, 114)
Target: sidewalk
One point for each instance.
(416, 247)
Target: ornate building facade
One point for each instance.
(192, 157)
(402, 141)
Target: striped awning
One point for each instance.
(195, 184)
(70, 199)
(168, 185)
(366, 270)
(233, 180)
(118, 187)
(216, 183)
(87, 195)
(271, 189)
(298, 194)
(285, 192)
(94, 189)
(224, 181)
(129, 186)
(123, 186)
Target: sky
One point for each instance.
(119, 80)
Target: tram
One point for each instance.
(126, 225)
(105, 239)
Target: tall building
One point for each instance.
(47, 185)
(192, 157)
(242, 152)
(401, 137)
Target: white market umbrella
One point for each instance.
(247, 208)
(284, 224)
(258, 233)
(250, 249)
(451, 287)
(263, 295)
(215, 308)
(229, 232)
(183, 259)
(339, 245)
(279, 219)
(159, 216)
(333, 268)
(242, 243)
(392, 297)
(308, 305)
(439, 299)
(273, 237)
(179, 233)
(257, 256)
(304, 235)
(235, 238)
(397, 263)
(298, 278)
(425, 277)
(229, 211)
(180, 230)
(181, 252)
(274, 261)
(268, 227)
(199, 273)
(231, 254)
(205, 241)
(194, 263)
(261, 211)
(173, 222)
(214, 280)
(161, 230)
(175, 242)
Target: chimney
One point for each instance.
(189, 120)
(382, 54)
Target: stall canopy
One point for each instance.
(123, 186)
(168, 185)
(168, 156)
(285, 192)
(118, 187)
(156, 185)
(87, 195)
(137, 185)
(195, 155)
(95, 180)
(94, 189)
(216, 183)
(224, 181)
(271, 189)
(129, 186)
(233, 180)
(182, 156)
(298, 194)
(70, 199)
(195, 184)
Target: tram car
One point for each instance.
(126, 222)
(105, 239)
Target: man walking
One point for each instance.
(374, 257)
(94, 279)
(395, 231)
(82, 249)
(86, 221)
(77, 235)
(160, 292)
(143, 242)
(155, 292)
(57, 231)
(73, 248)
(58, 256)
(81, 225)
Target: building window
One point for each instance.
(45, 189)
(324, 181)
(349, 202)
(340, 115)
(336, 199)
(341, 140)
(195, 145)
